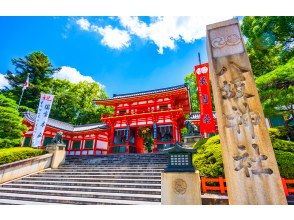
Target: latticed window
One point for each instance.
(119, 149)
(27, 142)
(66, 142)
(76, 145)
(120, 136)
(47, 140)
(89, 144)
(165, 133)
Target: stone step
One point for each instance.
(21, 202)
(62, 169)
(117, 161)
(56, 172)
(65, 174)
(92, 184)
(111, 176)
(118, 166)
(83, 194)
(72, 200)
(101, 180)
(84, 188)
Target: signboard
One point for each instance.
(207, 122)
(42, 118)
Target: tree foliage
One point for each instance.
(11, 127)
(190, 79)
(269, 41)
(276, 90)
(38, 65)
(73, 102)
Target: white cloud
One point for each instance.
(3, 81)
(72, 75)
(162, 31)
(165, 31)
(83, 23)
(111, 37)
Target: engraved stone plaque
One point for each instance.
(226, 41)
(180, 186)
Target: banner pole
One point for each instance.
(20, 99)
(199, 58)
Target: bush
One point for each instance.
(199, 143)
(282, 145)
(278, 132)
(208, 159)
(9, 155)
(285, 162)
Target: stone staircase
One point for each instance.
(112, 179)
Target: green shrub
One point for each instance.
(282, 145)
(9, 155)
(199, 143)
(278, 132)
(285, 162)
(208, 159)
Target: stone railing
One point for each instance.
(21, 168)
(53, 159)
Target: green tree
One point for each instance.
(73, 102)
(38, 65)
(269, 41)
(190, 79)
(11, 127)
(276, 90)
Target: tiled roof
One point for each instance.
(196, 115)
(30, 116)
(127, 95)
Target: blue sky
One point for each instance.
(125, 54)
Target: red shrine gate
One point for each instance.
(162, 110)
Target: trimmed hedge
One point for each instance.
(9, 155)
(208, 159)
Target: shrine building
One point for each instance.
(162, 111)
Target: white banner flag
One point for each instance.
(42, 118)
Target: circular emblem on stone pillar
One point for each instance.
(179, 186)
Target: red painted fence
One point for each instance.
(222, 185)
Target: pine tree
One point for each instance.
(38, 65)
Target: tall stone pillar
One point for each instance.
(251, 169)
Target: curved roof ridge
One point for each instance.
(30, 116)
(152, 90)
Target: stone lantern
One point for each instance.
(180, 184)
(180, 159)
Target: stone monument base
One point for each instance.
(59, 154)
(180, 188)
